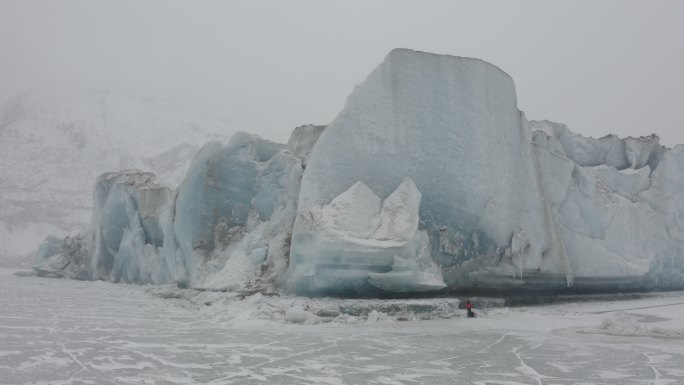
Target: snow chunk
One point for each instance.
(399, 212)
(355, 243)
(354, 212)
(625, 324)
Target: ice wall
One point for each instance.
(505, 203)
(234, 213)
(227, 226)
(128, 220)
(452, 126)
(429, 178)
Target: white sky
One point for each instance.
(598, 66)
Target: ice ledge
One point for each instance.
(404, 54)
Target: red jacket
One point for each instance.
(469, 306)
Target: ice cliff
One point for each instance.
(226, 227)
(429, 178)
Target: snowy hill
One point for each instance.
(56, 139)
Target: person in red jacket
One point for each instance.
(469, 307)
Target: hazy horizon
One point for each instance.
(606, 67)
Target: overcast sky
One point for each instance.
(599, 66)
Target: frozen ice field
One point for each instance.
(55, 331)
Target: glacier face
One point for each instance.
(429, 178)
(234, 213)
(226, 227)
(619, 222)
(127, 222)
(452, 126)
(506, 203)
(126, 237)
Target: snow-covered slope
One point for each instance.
(55, 139)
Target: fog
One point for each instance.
(600, 67)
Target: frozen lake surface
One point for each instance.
(55, 331)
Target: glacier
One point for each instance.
(430, 179)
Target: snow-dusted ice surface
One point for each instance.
(71, 332)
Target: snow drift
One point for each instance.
(430, 177)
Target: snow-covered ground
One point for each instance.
(55, 331)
